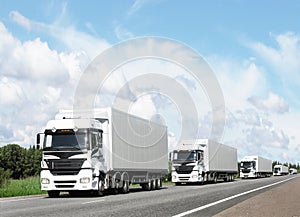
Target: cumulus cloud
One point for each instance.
(267, 136)
(272, 103)
(35, 82)
(284, 58)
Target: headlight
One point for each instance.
(194, 177)
(173, 177)
(84, 180)
(45, 181)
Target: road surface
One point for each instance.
(190, 200)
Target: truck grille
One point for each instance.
(185, 178)
(184, 169)
(246, 170)
(65, 166)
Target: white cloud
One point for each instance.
(11, 94)
(284, 59)
(122, 33)
(35, 82)
(238, 80)
(20, 19)
(69, 36)
(273, 103)
(258, 129)
(143, 107)
(137, 5)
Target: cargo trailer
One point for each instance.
(100, 150)
(255, 167)
(203, 160)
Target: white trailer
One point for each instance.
(203, 160)
(109, 150)
(280, 170)
(255, 167)
(293, 171)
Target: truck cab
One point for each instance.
(248, 169)
(72, 155)
(188, 166)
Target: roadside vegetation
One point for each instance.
(19, 171)
(21, 187)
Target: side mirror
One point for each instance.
(38, 141)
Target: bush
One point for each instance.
(4, 176)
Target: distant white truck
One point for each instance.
(98, 153)
(280, 170)
(293, 171)
(255, 167)
(203, 160)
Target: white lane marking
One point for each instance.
(93, 201)
(20, 199)
(229, 198)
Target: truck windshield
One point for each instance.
(247, 164)
(66, 139)
(184, 156)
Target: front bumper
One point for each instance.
(190, 177)
(69, 182)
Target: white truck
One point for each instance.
(293, 171)
(203, 160)
(280, 170)
(111, 150)
(255, 167)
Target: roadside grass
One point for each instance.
(22, 187)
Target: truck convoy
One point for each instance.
(280, 170)
(255, 167)
(202, 160)
(109, 151)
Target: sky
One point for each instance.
(253, 48)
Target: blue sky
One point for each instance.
(252, 46)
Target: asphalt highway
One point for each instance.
(185, 200)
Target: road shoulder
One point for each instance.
(282, 200)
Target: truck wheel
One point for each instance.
(159, 184)
(125, 187)
(53, 194)
(215, 178)
(177, 183)
(154, 184)
(100, 190)
(147, 186)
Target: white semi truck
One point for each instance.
(203, 160)
(255, 167)
(111, 150)
(293, 171)
(280, 170)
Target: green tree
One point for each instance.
(12, 158)
(32, 162)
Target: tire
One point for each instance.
(147, 186)
(125, 187)
(159, 184)
(154, 184)
(177, 183)
(215, 178)
(100, 191)
(53, 194)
